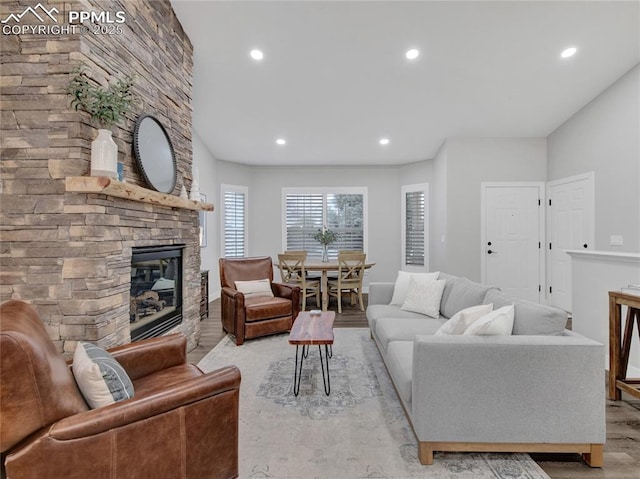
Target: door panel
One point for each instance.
(571, 228)
(511, 240)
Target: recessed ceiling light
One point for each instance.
(412, 54)
(569, 52)
(256, 54)
(281, 141)
(384, 141)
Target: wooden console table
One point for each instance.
(620, 345)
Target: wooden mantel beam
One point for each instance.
(110, 187)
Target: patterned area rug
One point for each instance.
(358, 431)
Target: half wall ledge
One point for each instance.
(110, 187)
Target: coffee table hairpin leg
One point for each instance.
(325, 382)
(297, 372)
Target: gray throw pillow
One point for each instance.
(530, 318)
(459, 294)
(101, 379)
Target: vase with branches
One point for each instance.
(106, 106)
(325, 237)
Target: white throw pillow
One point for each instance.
(459, 322)
(424, 296)
(255, 288)
(101, 379)
(402, 285)
(498, 322)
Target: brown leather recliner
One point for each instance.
(181, 422)
(248, 318)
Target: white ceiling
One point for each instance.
(334, 79)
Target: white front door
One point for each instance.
(511, 238)
(570, 228)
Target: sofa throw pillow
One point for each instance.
(460, 321)
(255, 288)
(424, 296)
(498, 323)
(402, 285)
(101, 379)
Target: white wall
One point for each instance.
(594, 274)
(210, 187)
(604, 137)
(469, 162)
(438, 213)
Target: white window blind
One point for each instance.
(345, 217)
(304, 216)
(234, 228)
(414, 228)
(308, 212)
(414, 236)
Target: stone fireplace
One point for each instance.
(68, 244)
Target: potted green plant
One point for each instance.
(325, 237)
(106, 106)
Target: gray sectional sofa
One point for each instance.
(541, 389)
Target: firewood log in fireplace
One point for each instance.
(147, 303)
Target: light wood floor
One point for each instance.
(621, 451)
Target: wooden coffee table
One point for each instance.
(310, 330)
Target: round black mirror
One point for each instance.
(154, 153)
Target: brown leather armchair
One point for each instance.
(251, 317)
(181, 422)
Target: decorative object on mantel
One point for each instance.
(183, 192)
(202, 218)
(195, 187)
(121, 171)
(104, 154)
(154, 153)
(107, 106)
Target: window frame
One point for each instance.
(324, 191)
(238, 189)
(423, 188)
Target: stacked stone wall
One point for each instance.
(67, 253)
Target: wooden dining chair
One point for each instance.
(292, 271)
(351, 267)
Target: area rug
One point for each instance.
(358, 431)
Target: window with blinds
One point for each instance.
(304, 216)
(414, 231)
(308, 212)
(234, 221)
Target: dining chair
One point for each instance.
(351, 267)
(292, 271)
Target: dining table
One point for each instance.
(325, 267)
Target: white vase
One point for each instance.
(195, 187)
(104, 155)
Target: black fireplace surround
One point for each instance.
(156, 290)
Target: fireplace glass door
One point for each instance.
(156, 290)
